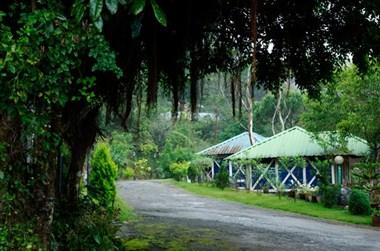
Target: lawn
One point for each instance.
(126, 212)
(273, 202)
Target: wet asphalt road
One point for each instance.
(248, 228)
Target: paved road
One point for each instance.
(248, 227)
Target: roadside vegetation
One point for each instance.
(126, 213)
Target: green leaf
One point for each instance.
(96, 7)
(99, 23)
(137, 6)
(112, 5)
(97, 238)
(2, 14)
(136, 27)
(1, 175)
(78, 10)
(159, 13)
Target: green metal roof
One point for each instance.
(294, 142)
(231, 145)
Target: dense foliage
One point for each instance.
(349, 104)
(330, 195)
(222, 179)
(179, 170)
(359, 203)
(90, 227)
(102, 176)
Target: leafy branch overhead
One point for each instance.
(136, 7)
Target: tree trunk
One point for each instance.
(194, 88)
(240, 96)
(233, 94)
(153, 71)
(80, 136)
(252, 82)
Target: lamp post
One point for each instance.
(339, 161)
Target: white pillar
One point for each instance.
(304, 181)
(333, 174)
(230, 168)
(212, 170)
(276, 165)
(248, 177)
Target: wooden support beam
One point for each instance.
(315, 176)
(290, 173)
(230, 168)
(239, 170)
(262, 176)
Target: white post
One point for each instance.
(276, 171)
(212, 171)
(248, 177)
(230, 168)
(333, 174)
(304, 181)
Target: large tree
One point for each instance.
(350, 105)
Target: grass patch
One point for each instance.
(273, 202)
(173, 236)
(126, 212)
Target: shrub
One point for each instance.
(198, 167)
(222, 179)
(179, 170)
(174, 155)
(142, 169)
(359, 203)
(330, 195)
(121, 148)
(128, 173)
(19, 237)
(90, 228)
(102, 176)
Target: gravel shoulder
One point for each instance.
(240, 226)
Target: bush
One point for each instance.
(174, 155)
(330, 195)
(142, 169)
(121, 148)
(222, 179)
(197, 168)
(102, 176)
(359, 203)
(19, 237)
(128, 173)
(90, 228)
(179, 170)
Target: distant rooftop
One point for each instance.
(231, 146)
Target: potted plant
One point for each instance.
(376, 217)
(301, 192)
